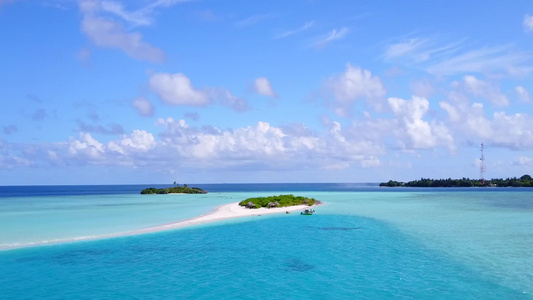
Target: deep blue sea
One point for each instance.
(364, 242)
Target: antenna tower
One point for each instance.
(482, 167)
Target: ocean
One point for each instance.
(364, 242)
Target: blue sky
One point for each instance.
(96, 92)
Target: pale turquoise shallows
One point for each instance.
(363, 243)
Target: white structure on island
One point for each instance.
(482, 167)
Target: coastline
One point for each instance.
(221, 212)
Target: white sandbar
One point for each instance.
(223, 212)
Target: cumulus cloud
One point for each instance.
(261, 146)
(513, 131)
(421, 134)
(462, 91)
(109, 33)
(262, 87)
(143, 107)
(138, 140)
(335, 34)
(354, 84)
(177, 89)
(86, 147)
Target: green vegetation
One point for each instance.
(524, 181)
(276, 201)
(175, 189)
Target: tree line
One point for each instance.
(524, 181)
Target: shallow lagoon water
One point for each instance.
(366, 243)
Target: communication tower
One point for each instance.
(482, 167)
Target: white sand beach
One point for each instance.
(223, 212)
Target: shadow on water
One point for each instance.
(340, 228)
(334, 228)
(297, 265)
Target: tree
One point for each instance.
(526, 178)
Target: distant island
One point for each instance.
(174, 190)
(524, 181)
(277, 201)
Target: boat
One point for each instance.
(307, 212)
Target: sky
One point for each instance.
(204, 91)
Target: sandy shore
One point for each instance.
(223, 212)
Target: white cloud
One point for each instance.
(330, 37)
(523, 94)
(453, 113)
(485, 90)
(143, 106)
(262, 87)
(419, 51)
(106, 33)
(514, 131)
(285, 34)
(421, 134)
(86, 146)
(405, 48)
(354, 84)
(268, 146)
(502, 59)
(10, 162)
(177, 89)
(139, 17)
(138, 140)
(458, 58)
(109, 33)
(528, 23)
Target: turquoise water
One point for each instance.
(365, 244)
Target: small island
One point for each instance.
(277, 201)
(524, 181)
(174, 190)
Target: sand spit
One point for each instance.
(223, 212)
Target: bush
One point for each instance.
(282, 200)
